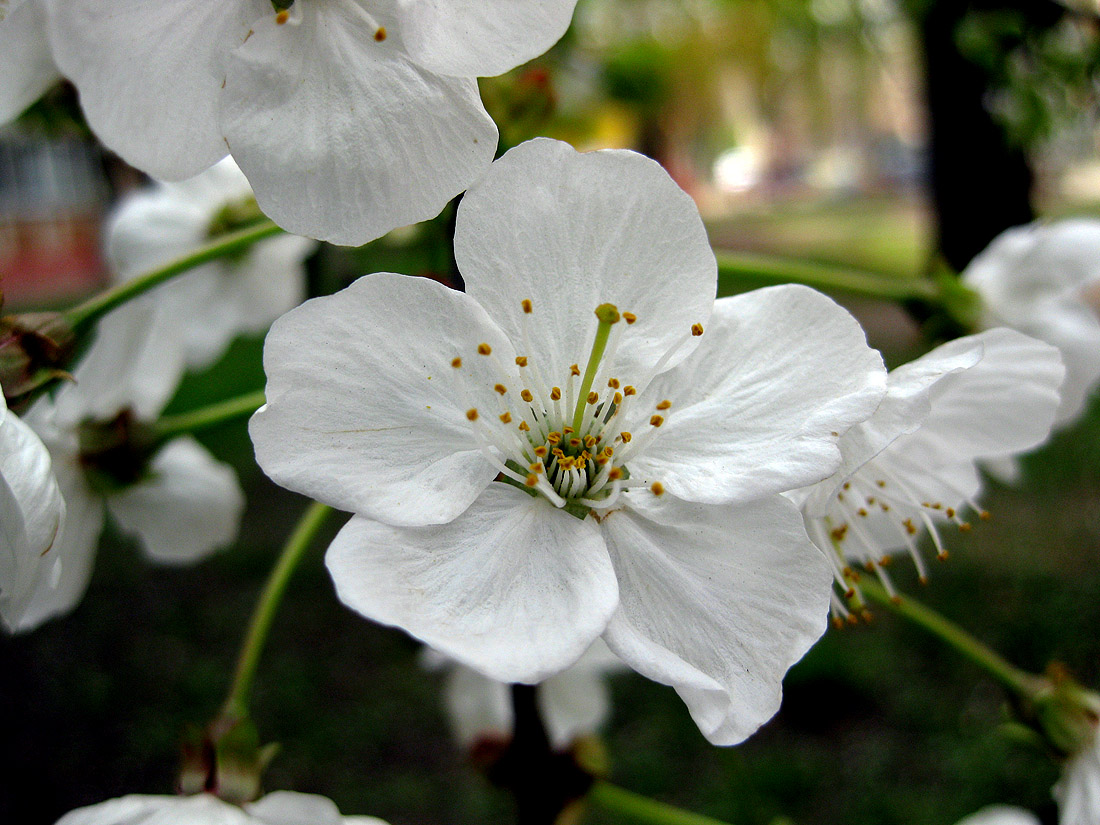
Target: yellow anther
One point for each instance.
(965, 527)
(984, 515)
(696, 330)
(910, 528)
(608, 450)
(838, 534)
(658, 488)
(629, 390)
(553, 437)
(526, 304)
(282, 16)
(574, 369)
(506, 417)
(590, 441)
(656, 421)
(566, 430)
(949, 512)
(555, 393)
(484, 349)
(593, 397)
(456, 363)
(521, 360)
(601, 460)
(613, 383)
(541, 451)
(937, 506)
(618, 398)
(557, 453)
(500, 388)
(536, 468)
(625, 437)
(607, 313)
(524, 426)
(880, 483)
(630, 317)
(847, 485)
(886, 561)
(526, 396)
(862, 511)
(532, 480)
(943, 556)
(380, 35)
(574, 443)
(472, 413)
(615, 473)
(664, 405)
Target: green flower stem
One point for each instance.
(767, 269)
(99, 305)
(1026, 685)
(170, 426)
(236, 704)
(613, 799)
(608, 316)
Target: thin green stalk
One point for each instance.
(613, 799)
(169, 426)
(236, 704)
(608, 316)
(767, 269)
(99, 305)
(1024, 684)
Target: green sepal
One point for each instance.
(224, 759)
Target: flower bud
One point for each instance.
(115, 453)
(1066, 714)
(34, 349)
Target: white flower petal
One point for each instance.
(571, 231)
(1078, 790)
(577, 701)
(28, 65)
(481, 38)
(476, 706)
(334, 130)
(364, 410)
(189, 506)
(513, 588)
(150, 74)
(59, 592)
(781, 374)
(718, 602)
(289, 808)
(1000, 815)
(31, 519)
(202, 809)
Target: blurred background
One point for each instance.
(896, 136)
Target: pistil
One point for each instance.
(608, 315)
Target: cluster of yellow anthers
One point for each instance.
(571, 445)
(861, 499)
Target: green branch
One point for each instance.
(169, 426)
(236, 704)
(1026, 685)
(765, 270)
(613, 799)
(99, 305)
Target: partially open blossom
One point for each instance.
(913, 465)
(572, 703)
(277, 808)
(334, 109)
(583, 443)
(1044, 280)
(176, 499)
(28, 65)
(220, 300)
(31, 517)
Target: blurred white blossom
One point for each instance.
(1078, 790)
(334, 110)
(28, 65)
(1000, 815)
(1044, 280)
(178, 501)
(278, 808)
(644, 472)
(31, 518)
(213, 303)
(913, 464)
(571, 704)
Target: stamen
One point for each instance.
(457, 363)
(471, 414)
(630, 317)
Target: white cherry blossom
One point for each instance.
(913, 465)
(1044, 280)
(572, 703)
(31, 517)
(277, 808)
(180, 502)
(1000, 815)
(28, 65)
(643, 459)
(333, 108)
(219, 300)
(1078, 789)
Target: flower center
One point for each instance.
(570, 441)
